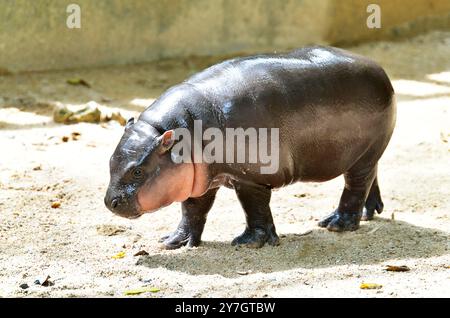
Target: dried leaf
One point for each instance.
(78, 81)
(44, 281)
(56, 205)
(140, 290)
(370, 286)
(141, 252)
(119, 118)
(393, 268)
(76, 135)
(89, 113)
(244, 272)
(444, 136)
(119, 255)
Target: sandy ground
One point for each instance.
(74, 243)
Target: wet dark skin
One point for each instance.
(335, 112)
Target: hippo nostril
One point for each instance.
(114, 203)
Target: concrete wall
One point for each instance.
(34, 36)
(400, 18)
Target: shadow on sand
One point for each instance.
(377, 241)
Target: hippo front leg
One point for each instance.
(260, 229)
(190, 229)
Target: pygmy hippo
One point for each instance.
(331, 112)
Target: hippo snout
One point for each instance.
(112, 202)
(121, 206)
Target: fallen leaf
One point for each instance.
(244, 272)
(76, 135)
(37, 168)
(119, 118)
(393, 268)
(302, 195)
(44, 281)
(447, 266)
(56, 205)
(89, 113)
(140, 290)
(141, 252)
(444, 136)
(119, 255)
(370, 286)
(78, 81)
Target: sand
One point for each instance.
(74, 243)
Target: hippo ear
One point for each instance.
(129, 123)
(167, 140)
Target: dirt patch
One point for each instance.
(74, 243)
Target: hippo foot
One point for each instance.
(178, 239)
(341, 221)
(257, 237)
(370, 207)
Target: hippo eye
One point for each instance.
(137, 173)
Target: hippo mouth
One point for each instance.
(134, 216)
(130, 214)
(142, 211)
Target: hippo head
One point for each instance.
(143, 176)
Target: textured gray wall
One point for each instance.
(34, 36)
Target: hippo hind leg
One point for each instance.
(373, 202)
(190, 229)
(260, 229)
(358, 183)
